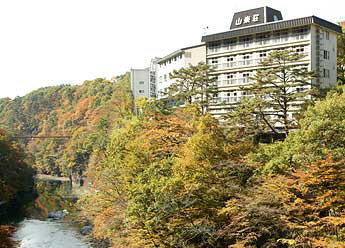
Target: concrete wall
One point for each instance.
(329, 45)
(163, 80)
(140, 82)
(178, 60)
(195, 55)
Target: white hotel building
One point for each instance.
(175, 61)
(235, 54)
(154, 81)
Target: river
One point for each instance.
(35, 230)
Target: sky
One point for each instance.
(52, 42)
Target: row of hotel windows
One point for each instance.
(170, 60)
(237, 96)
(239, 78)
(165, 77)
(260, 39)
(248, 58)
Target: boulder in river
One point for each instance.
(85, 230)
(58, 215)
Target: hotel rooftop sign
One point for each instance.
(254, 17)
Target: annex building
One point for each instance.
(235, 54)
(154, 81)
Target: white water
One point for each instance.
(48, 234)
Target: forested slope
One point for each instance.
(182, 180)
(15, 176)
(85, 112)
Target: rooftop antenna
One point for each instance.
(206, 30)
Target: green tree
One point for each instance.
(193, 84)
(321, 132)
(163, 180)
(341, 58)
(280, 88)
(245, 120)
(15, 173)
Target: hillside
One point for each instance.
(84, 112)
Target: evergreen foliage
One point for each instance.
(193, 84)
(278, 89)
(341, 58)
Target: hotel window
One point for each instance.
(262, 54)
(214, 63)
(246, 41)
(214, 46)
(245, 78)
(300, 33)
(284, 35)
(141, 82)
(141, 91)
(165, 77)
(263, 39)
(325, 73)
(276, 37)
(247, 60)
(300, 89)
(231, 78)
(230, 44)
(326, 54)
(299, 49)
(327, 35)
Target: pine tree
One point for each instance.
(341, 58)
(280, 88)
(193, 84)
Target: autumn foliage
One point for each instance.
(76, 111)
(179, 178)
(182, 180)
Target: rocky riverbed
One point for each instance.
(50, 219)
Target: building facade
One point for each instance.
(236, 54)
(140, 82)
(154, 81)
(175, 61)
(143, 81)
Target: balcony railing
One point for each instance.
(242, 63)
(275, 39)
(233, 81)
(229, 99)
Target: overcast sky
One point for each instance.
(50, 42)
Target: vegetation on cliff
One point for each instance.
(15, 173)
(84, 112)
(178, 178)
(182, 180)
(15, 176)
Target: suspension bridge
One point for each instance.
(42, 137)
